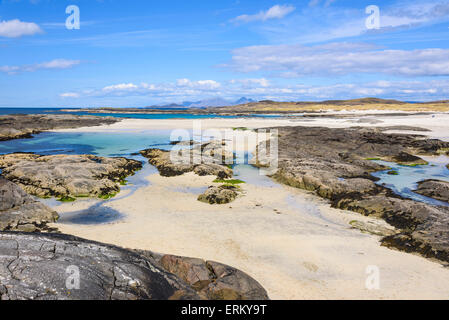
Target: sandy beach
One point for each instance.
(436, 123)
(291, 241)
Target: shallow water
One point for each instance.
(162, 115)
(129, 143)
(407, 180)
(106, 144)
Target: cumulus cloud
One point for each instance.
(260, 89)
(16, 28)
(53, 64)
(69, 95)
(262, 82)
(340, 59)
(201, 84)
(275, 12)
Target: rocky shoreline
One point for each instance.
(20, 126)
(337, 164)
(20, 212)
(67, 176)
(436, 189)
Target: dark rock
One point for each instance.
(435, 189)
(20, 212)
(23, 126)
(35, 266)
(213, 280)
(219, 194)
(39, 266)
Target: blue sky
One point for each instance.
(144, 52)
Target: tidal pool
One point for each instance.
(407, 177)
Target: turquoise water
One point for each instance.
(128, 144)
(101, 144)
(408, 178)
(162, 115)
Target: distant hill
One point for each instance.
(361, 101)
(216, 102)
(206, 103)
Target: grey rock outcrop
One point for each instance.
(25, 125)
(219, 194)
(46, 266)
(435, 189)
(67, 175)
(335, 163)
(206, 160)
(38, 266)
(211, 280)
(20, 212)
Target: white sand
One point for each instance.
(437, 123)
(308, 251)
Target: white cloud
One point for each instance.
(340, 59)
(53, 64)
(69, 95)
(16, 28)
(201, 84)
(121, 87)
(320, 22)
(275, 12)
(262, 82)
(253, 88)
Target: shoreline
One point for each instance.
(436, 123)
(308, 251)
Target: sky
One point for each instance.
(139, 53)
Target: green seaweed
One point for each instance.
(229, 182)
(107, 196)
(393, 173)
(66, 199)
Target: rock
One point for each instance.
(403, 158)
(213, 280)
(206, 160)
(39, 267)
(374, 227)
(23, 126)
(67, 175)
(334, 163)
(435, 189)
(219, 194)
(20, 212)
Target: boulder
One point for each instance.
(219, 194)
(67, 175)
(62, 267)
(20, 212)
(205, 159)
(213, 280)
(435, 189)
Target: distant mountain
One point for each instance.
(244, 100)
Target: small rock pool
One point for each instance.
(406, 178)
